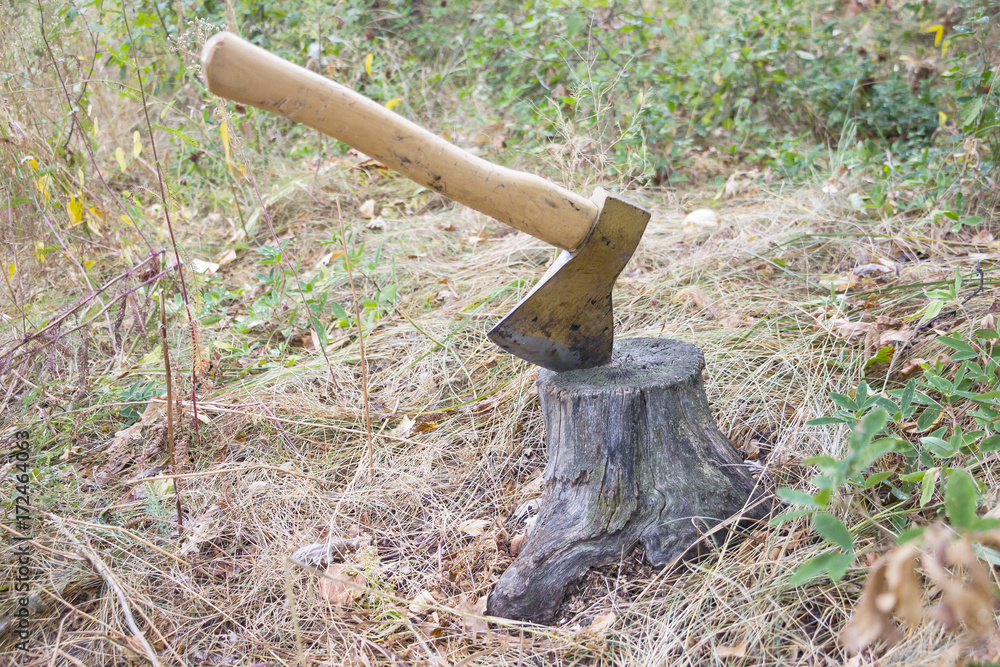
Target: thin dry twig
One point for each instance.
(361, 343)
(223, 471)
(170, 409)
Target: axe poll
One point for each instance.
(565, 322)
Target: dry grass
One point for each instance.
(474, 445)
(280, 457)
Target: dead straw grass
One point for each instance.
(458, 440)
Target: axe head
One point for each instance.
(566, 322)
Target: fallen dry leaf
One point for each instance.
(422, 602)
(378, 222)
(738, 651)
(787, 543)
(424, 427)
(201, 266)
(358, 156)
(989, 322)
(127, 435)
(153, 412)
(843, 328)
(203, 530)
(320, 555)
(474, 527)
(601, 624)
(226, 257)
(894, 336)
(432, 626)
(870, 622)
(740, 183)
(840, 282)
(339, 587)
(256, 488)
(872, 270)
(367, 209)
(698, 298)
(517, 543)
(912, 366)
(903, 596)
(449, 294)
(965, 599)
(404, 428)
(325, 259)
(472, 623)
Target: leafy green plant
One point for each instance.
(381, 297)
(941, 296)
(929, 459)
(279, 307)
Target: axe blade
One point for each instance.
(566, 321)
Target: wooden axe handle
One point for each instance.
(240, 71)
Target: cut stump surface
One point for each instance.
(635, 457)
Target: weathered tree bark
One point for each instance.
(635, 457)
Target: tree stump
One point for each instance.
(635, 457)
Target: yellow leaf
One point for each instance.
(97, 125)
(126, 220)
(939, 30)
(120, 156)
(88, 264)
(75, 210)
(717, 79)
(136, 144)
(369, 59)
(391, 104)
(92, 219)
(944, 47)
(224, 130)
(12, 270)
(942, 118)
(43, 185)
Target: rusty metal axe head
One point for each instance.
(566, 321)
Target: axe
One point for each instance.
(565, 322)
